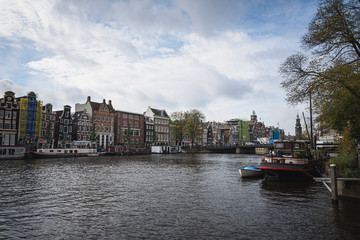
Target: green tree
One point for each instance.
(193, 126)
(330, 73)
(93, 135)
(177, 123)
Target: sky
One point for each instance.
(221, 57)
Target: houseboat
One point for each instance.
(288, 159)
(64, 153)
(12, 152)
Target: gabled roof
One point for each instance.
(95, 105)
(158, 112)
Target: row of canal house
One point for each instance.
(25, 121)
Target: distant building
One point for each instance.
(30, 120)
(103, 115)
(161, 124)
(149, 131)
(9, 119)
(82, 126)
(298, 128)
(129, 129)
(48, 122)
(64, 123)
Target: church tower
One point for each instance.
(253, 117)
(298, 129)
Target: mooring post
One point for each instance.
(333, 179)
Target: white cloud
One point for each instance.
(174, 55)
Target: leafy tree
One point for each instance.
(193, 126)
(330, 73)
(178, 123)
(93, 135)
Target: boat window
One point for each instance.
(297, 145)
(51, 150)
(279, 145)
(75, 151)
(58, 150)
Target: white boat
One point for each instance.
(63, 153)
(10, 152)
(250, 172)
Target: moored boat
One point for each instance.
(289, 159)
(248, 172)
(63, 153)
(12, 152)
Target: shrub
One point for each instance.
(346, 165)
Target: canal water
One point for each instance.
(184, 196)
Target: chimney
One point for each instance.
(110, 102)
(88, 98)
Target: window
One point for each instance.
(52, 117)
(112, 119)
(136, 117)
(130, 116)
(65, 129)
(125, 123)
(61, 129)
(61, 120)
(67, 114)
(124, 115)
(8, 105)
(7, 115)
(107, 118)
(66, 121)
(1, 113)
(94, 117)
(1, 124)
(7, 125)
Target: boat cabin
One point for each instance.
(297, 149)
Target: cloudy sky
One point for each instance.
(218, 56)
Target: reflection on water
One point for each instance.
(163, 197)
